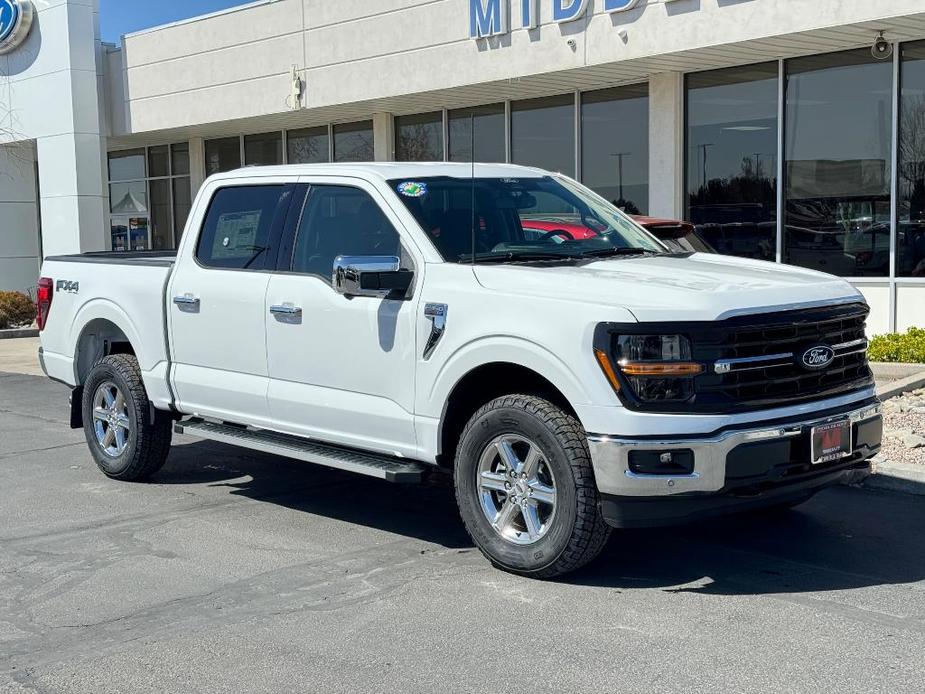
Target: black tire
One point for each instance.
(576, 532)
(148, 440)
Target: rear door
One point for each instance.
(342, 369)
(216, 301)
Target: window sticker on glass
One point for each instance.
(412, 189)
(236, 234)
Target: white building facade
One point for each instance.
(783, 129)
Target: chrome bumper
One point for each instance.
(610, 456)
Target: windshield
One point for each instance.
(520, 219)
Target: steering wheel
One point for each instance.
(557, 232)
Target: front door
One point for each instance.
(216, 303)
(341, 369)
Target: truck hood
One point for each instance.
(698, 287)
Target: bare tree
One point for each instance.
(912, 154)
(15, 152)
(418, 142)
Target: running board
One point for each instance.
(382, 466)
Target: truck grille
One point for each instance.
(754, 362)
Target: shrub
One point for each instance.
(18, 309)
(898, 347)
(4, 320)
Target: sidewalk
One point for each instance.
(20, 356)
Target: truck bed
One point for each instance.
(146, 258)
(114, 296)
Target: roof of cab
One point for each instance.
(390, 170)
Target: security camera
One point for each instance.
(882, 49)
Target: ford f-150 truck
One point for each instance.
(396, 319)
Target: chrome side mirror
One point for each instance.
(371, 275)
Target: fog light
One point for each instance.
(667, 463)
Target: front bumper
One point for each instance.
(774, 454)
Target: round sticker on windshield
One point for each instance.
(413, 189)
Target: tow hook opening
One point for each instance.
(669, 463)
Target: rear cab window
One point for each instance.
(240, 225)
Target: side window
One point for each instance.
(236, 231)
(340, 220)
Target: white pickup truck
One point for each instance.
(394, 319)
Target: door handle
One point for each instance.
(286, 310)
(186, 300)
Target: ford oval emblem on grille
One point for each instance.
(818, 357)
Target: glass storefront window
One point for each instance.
(308, 146)
(732, 128)
(419, 137)
(838, 145)
(354, 142)
(161, 216)
(488, 122)
(179, 156)
(158, 161)
(263, 150)
(150, 212)
(543, 133)
(223, 155)
(615, 145)
(128, 198)
(910, 249)
(127, 165)
(130, 234)
(182, 204)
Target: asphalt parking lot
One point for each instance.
(237, 572)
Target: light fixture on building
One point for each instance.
(294, 100)
(882, 49)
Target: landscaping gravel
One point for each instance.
(904, 429)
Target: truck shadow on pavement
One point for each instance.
(844, 538)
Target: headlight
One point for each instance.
(647, 348)
(656, 368)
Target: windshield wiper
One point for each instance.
(608, 252)
(517, 256)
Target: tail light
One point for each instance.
(44, 295)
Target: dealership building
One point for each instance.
(787, 130)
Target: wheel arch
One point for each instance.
(100, 337)
(100, 328)
(482, 384)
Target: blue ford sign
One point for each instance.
(15, 22)
(490, 17)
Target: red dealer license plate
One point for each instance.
(831, 441)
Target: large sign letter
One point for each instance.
(568, 10)
(620, 5)
(487, 18)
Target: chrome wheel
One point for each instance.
(516, 488)
(110, 419)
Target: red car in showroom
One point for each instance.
(677, 235)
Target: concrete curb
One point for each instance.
(897, 477)
(904, 385)
(18, 332)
